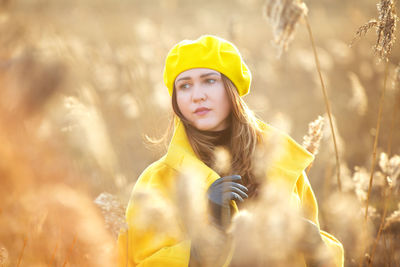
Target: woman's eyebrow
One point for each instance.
(208, 74)
(183, 78)
(201, 76)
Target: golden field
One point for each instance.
(81, 85)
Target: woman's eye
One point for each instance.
(184, 86)
(211, 80)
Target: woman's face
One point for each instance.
(202, 99)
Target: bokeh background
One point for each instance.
(97, 65)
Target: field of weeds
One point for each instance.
(81, 85)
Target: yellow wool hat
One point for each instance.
(207, 52)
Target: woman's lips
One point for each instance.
(201, 111)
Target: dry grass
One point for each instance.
(82, 82)
(46, 210)
(359, 100)
(113, 212)
(312, 140)
(393, 219)
(385, 28)
(284, 16)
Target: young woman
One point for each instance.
(206, 79)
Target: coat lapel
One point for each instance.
(288, 159)
(181, 157)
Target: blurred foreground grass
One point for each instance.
(81, 83)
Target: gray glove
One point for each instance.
(220, 194)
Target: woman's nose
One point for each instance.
(198, 94)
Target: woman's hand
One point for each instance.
(220, 194)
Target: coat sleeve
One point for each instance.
(152, 237)
(310, 208)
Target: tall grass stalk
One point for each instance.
(311, 141)
(388, 195)
(381, 102)
(328, 109)
(53, 255)
(394, 115)
(387, 250)
(386, 203)
(22, 251)
(396, 87)
(373, 163)
(70, 251)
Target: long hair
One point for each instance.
(245, 135)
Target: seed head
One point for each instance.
(312, 139)
(222, 160)
(385, 28)
(3, 256)
(112, 211)
(397, 76)
(373, 23)
(360, 178)
(393, 218)
(284, 15)
(359, 101)
(390, 167)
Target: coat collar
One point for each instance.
(288, 161)
(181, 157)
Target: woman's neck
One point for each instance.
(219, 138)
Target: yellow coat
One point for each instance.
(138, 247)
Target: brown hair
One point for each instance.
(245, 135)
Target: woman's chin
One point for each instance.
(204, 127)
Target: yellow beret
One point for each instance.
(207, 52)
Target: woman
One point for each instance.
(207, 78)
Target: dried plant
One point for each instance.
(313, 138)
(266, 153)
(222, 163)
(268, 232)
(359, 100)
(365, 28)
(156, 212)
(3, 256)
(396, 80)
(396, 88)
(209, 243)
(344, 216)
(25, 96)
(385, 28)
(390, 167)
(387, 193)
(381, 102)
(120, 74)
(360, 178)
(45, 220)
(284, 15)
(394, 218)
(113, 212)
(86, 129)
